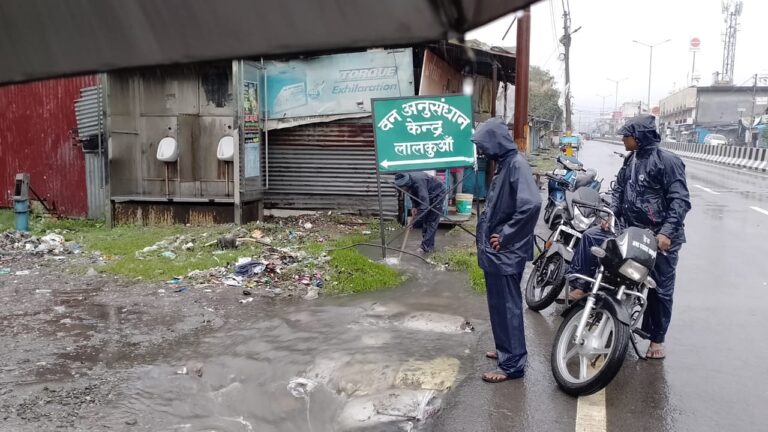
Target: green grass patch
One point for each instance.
(7, 221)
(352, 272)
(463, 260)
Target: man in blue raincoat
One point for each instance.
(428, 192)
(651, 192)
(505, 244)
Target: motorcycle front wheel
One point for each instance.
(548, 210)
(587, 367)
(545, 282)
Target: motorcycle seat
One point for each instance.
(585, 178)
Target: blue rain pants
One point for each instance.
(505, 306)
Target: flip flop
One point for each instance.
(656, 354)
(496, 377)
(492, 355)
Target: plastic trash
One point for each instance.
(91, 272)
(188, 247)
(246, 300)
(42, 291)
(181, 290)
(301, 387)
(175, 281)
(307, 226)
(22, 272)
(235, 281)
(5, 271)
(168, 254)
(250, 268)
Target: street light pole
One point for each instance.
(616, 106)
(650, 64)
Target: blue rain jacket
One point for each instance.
(512, 205)
(426, 188)
(651, 190)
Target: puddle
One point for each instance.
(380, 361)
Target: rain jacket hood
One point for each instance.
(492, 139)
(643, 129)
(511, 207)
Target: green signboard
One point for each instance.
(423, 133)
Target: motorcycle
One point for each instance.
(547, 279)
(556, 203)
(593, 338)
(559, 181)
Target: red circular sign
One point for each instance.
(695, 42)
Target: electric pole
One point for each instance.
(566, 41)
(616, 107)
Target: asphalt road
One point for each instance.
(715, 376)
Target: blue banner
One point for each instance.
(337, 84)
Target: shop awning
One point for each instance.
(45, 39)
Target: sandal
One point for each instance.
(496, 377)
(492, 355)
(655, 354)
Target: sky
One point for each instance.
(603, 48)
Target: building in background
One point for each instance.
(38, 135)
(690, 114)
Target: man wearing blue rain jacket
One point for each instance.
(505, 244)
(428, 192)
(651, 192)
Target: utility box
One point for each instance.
(21, 191)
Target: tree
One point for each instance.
(544, 97)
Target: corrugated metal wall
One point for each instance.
(326, 166)
(36, 120)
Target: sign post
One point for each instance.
(421, 133)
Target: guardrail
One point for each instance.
(736, 156)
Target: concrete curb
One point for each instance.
(755, 159)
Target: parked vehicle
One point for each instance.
(560, 180)
(570, 178)
(547, 279)
(593, 338)
(715, 140)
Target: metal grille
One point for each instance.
(326, 166)
(88, 110)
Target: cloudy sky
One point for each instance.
(603, 48)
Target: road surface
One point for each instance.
(714, 377)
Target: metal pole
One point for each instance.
(650, 71)
(693, 67)
(522, 65)
(752, 113)
(381, 205)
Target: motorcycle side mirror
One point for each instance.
(650, 282)
(598, 252)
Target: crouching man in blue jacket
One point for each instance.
(651, 192)
(505, 243)
(429, 194)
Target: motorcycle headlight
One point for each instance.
(634, 271)
(580, 223)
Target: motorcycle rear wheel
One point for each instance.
(583, 369)
(547, 273)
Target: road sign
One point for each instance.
(423, 133)
(695, 44)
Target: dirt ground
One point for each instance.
(66, 336)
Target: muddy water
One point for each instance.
(381, 361)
